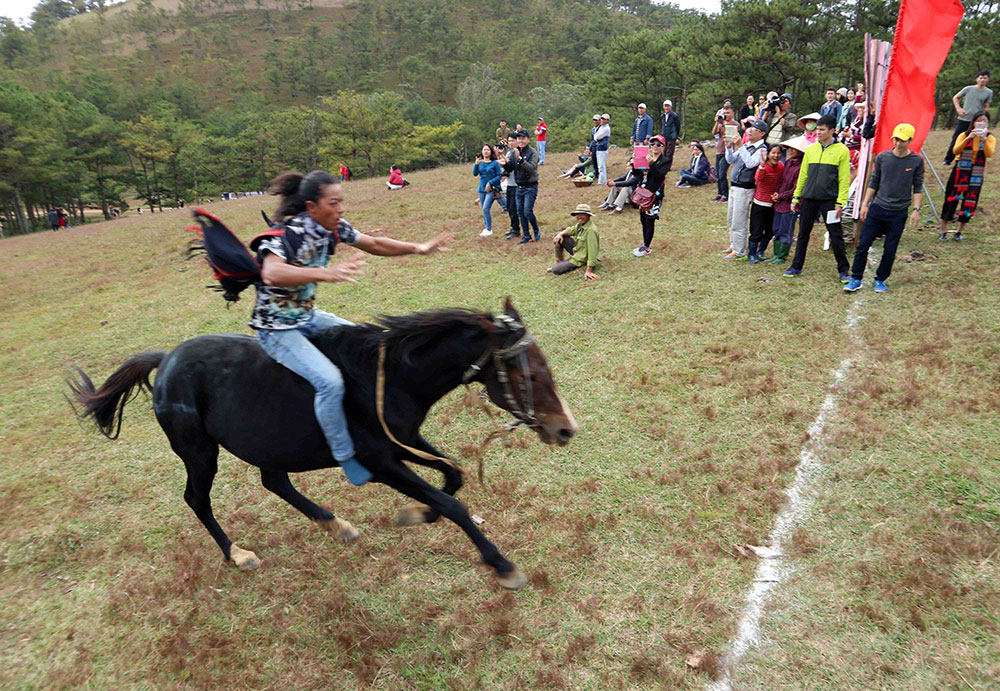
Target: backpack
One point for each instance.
(233, 265)
(713, 174)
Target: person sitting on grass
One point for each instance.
(584, 161)
(697, 174)
(618, 197)
(897, 177)
(581, 241)
(396, 179)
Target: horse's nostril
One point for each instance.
(565, 434)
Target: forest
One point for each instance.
(180, 100)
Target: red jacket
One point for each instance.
(396, 177)
(767, 177)
(540, 132)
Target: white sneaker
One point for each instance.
(826, 242)
(485, 233)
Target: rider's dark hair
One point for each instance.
(295, 189)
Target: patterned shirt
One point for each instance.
(289, 307)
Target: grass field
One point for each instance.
(693, 381)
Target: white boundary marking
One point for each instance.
(771, 571)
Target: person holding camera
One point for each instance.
(780, 119)
(525, 169)
(965, 182)
(488, 170)
(725, 128)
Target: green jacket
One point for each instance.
(588, 243)
(825, 173)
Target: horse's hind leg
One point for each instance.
(278, 482)
(201, 460)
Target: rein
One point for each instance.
(501, 356)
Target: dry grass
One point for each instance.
(693, 384)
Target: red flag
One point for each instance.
(925, 31)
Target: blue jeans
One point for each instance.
(526, 208)
(541, 152)
(691, 179)
(486, 201)
(292, 348)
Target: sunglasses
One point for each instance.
(656, 144)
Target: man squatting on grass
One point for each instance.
(822, 188)
(897, 174)
(581, 241)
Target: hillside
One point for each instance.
(695, 383)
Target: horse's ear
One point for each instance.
(510, 311)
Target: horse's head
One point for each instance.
(518, 379)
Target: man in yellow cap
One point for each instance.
(897, 179)
(581, 241)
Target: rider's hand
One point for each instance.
(343, 271)
(438, 244)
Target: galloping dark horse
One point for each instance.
(223, 389)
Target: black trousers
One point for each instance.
(761, 223)
(515, 220)
(648, 227)
(809, 211)
(879, 222)
(960, 126)
(668, 153)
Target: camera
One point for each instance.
(773, 102)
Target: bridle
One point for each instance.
(502, 360)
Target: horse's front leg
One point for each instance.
(404, 480)
(421, 513)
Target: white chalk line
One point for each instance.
(772, 570)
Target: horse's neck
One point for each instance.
(440, 368)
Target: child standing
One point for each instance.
(762, 210)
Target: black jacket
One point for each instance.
(654, 177)
(525, 168)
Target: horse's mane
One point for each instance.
(405, 334)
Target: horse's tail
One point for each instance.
(106, 404)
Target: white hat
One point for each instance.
(596, 116)
(668, 102)
(641, 105)
(605, 116)
(798, 143)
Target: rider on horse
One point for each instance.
(285, 317)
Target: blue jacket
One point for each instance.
(488, 172)
(601, 144)
(642, 129)
(831, 109)
(670, 126)
(700, 171)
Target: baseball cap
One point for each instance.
(904, 131)
(523, 133)
(658, 138)
(596, 116)
(606, 116)
(759, 125)
(668, 102)
(641, 105)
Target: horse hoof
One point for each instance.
(515, 580)
(245, 559)
(341, 528)
(415, 514)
